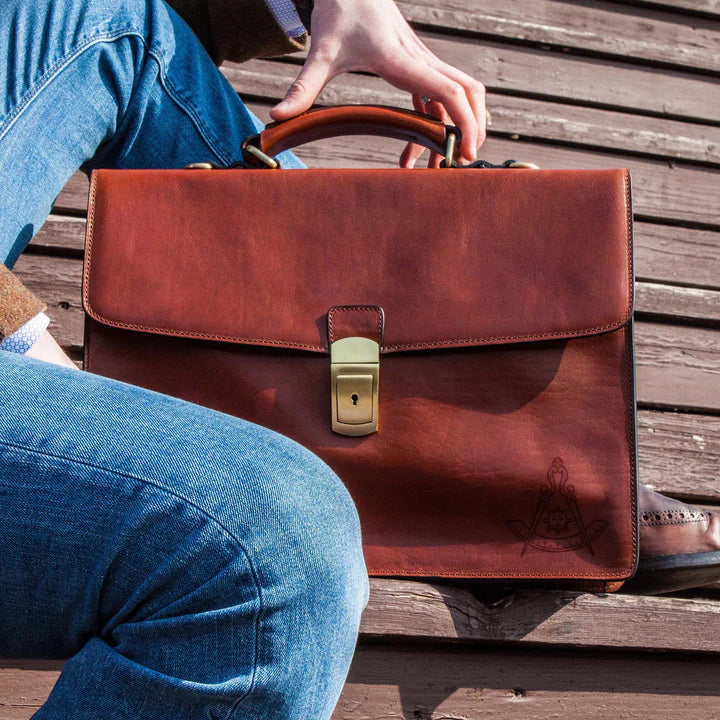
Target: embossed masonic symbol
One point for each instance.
(557, 525)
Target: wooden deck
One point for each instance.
(587, 83)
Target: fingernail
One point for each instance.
(283, 105)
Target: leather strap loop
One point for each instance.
(327, 122)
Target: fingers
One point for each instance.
(410, 154)
(437, 110)
(419, 77)
(475, 93)
(313, 77)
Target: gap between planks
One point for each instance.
(522, 116)
(563, 77)
(407, 681)
(601, 28)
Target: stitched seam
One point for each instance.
(659, 523)
(631, 425)
(57, 67)
(358, 308)
(240, 546)
(189, 110)
(557, 335)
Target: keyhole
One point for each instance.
(354, 397)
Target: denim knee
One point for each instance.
(290, 513)
(315, 537)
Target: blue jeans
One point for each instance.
(188, 563)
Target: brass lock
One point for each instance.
(354, 378)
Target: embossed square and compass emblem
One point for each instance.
(558, 524)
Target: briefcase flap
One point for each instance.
(455, 257)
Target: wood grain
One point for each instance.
(521, 116)
(678, 304)
(679, 454)
(587, 28)
(549, 617)
(25, 685)
(677, 255)
(558, 76)
(677, 367)
(387, 682)
(606, 83)
(399, 681)
(690, 7)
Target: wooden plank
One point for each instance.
(437, 682)
(422, 611)
(710, 8)
(73, 198)
(664, 254)
(677, 255)
(559, 76)
(674, 303)
(405, 682)
(25, 685)
(662, 191)
(589, 81)
(679, 454)
(440, 683)
(597, 27)
(524, 117)
(57, 281)
(61, 233)
(678, 367)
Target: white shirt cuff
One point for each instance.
(26, 335)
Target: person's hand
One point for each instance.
(45, 348)
(373, 36)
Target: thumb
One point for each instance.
(302, 93)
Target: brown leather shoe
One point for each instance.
(679, 545)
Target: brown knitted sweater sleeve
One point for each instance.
(241, 29)
(17, 303)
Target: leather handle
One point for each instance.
(333, 121)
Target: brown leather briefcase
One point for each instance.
(456, 343)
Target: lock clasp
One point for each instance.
(354, 383)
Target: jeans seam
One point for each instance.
(186, 107)
(61, 63)
(53, 71)
(239, 544)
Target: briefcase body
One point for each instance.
(455, 343)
